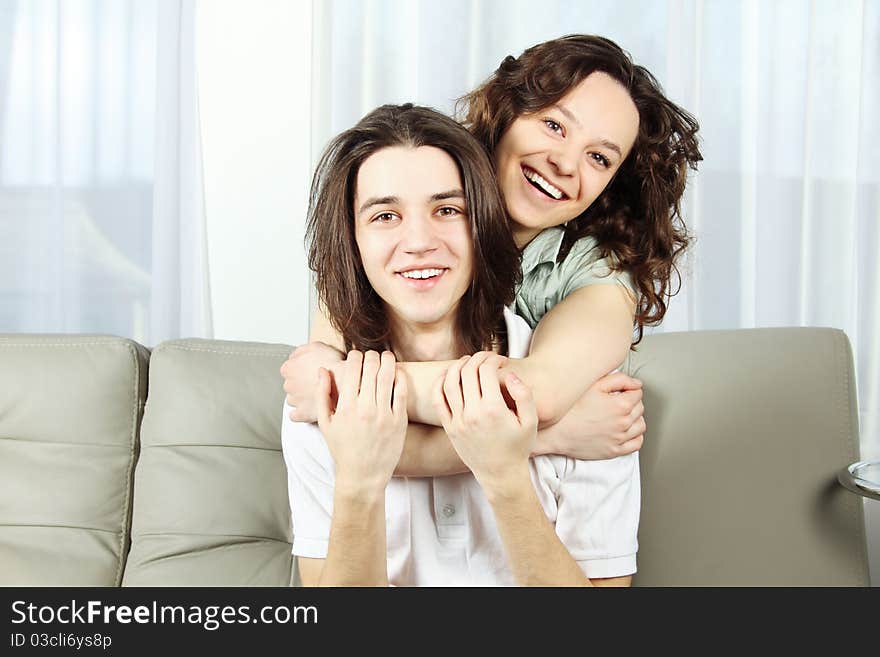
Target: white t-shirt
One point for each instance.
(441, 531)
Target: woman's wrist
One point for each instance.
(545, 442)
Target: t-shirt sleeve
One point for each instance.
(311, 476)
(583, 266)
(598, 514)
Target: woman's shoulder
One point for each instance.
(584, 250)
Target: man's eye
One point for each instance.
(555, 127)
(448, 211)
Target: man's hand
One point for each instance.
(606, 422)
(493, 441)
(300, 372)
(366, 429)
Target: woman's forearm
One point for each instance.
(420, 380)
(427, 452)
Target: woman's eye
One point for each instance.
(600, 160)
(555, 127)
(385, 217)
(448, 211)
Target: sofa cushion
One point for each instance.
(210, 495)
(70, 409)
(747, 430)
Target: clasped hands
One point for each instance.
(607, 421)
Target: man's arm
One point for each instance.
(536, 555)
(364, 433)
(356, 555)
(495, 442)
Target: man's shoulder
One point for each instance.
(519, 334)
(302, 437)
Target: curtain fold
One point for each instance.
(101, 220)
(181, 299)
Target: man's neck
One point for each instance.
(417, 343)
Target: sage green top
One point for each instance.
(546, 282)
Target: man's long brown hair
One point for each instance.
(352, 305)
(637, 219)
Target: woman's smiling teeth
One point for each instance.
(535, 178)
(421, 273)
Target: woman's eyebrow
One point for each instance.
(610, 145)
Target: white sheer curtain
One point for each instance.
(786, 205)
(101, 223)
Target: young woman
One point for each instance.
(592, 162)
(413, 258)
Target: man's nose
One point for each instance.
(419, 234)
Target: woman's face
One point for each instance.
(413, 232)
(553, 164)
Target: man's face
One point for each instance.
(554, 163)
(413, 232)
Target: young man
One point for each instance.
(414, 259)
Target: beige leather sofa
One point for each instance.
(123, 467)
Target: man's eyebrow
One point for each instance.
(610, 145)
(452, 193)
(392, 200)
(378, 200)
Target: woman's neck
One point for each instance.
(522, 235)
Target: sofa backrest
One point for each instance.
(70, 411)
(210, 492)
(746, 432)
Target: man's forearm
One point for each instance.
(356, 555)
(536, 555)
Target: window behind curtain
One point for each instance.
(77, 103)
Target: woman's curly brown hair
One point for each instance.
(637, 219)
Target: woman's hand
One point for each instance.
(366, 429)
(300, 372)
(492, 439)
(606, 422)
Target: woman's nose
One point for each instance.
(564, 159)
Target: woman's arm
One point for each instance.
(581, 339)
(563, 343)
